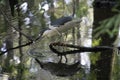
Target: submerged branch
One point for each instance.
(77, 49)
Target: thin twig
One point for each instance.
(7, 19)
(26, 44)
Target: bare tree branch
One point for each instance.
(11, 25)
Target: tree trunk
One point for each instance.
(8, 40)
(101, 12)
(21, 65)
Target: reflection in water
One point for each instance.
(86, 40)
(85, 60)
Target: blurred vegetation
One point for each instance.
(22, 61)
(39, 24)
(110, 25)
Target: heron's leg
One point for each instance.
(60, 59)
(65, 58)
